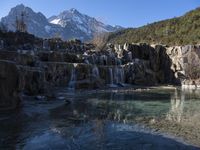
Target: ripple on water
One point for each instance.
(103, 135)
(105, 120)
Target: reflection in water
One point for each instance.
(184, 108)
(177, 104)
(104, 120)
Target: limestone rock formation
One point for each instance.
(79, 66)
(9, 87)
(32, 80)
(186, 64)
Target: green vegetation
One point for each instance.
(177, 31)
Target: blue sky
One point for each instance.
(127, 13)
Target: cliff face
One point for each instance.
(9, 85)
(37, 72)
(186, 64)
(162, 64)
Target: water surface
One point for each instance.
(108, 119)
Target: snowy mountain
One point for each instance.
(68, 24)
(84, 23)
(37, 23)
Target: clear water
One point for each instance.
(122, 119)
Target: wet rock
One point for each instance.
(89, 84)
(20, 59)
(57, 73)
(56, 56)
(50, 94)
(139, 73)
(67, 102)
(9, 85)
(32, 80)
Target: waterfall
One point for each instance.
(122, 76)
(86, 61)
(103, 60)
(111, 76)
(119, 62)
(119, 75)
(116, 76)
(72, 81)
(93, 59)
(95, 71)
(45, 44)
(1, 44)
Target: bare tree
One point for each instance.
(100, 39)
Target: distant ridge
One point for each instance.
(176, 31)
(68, 24)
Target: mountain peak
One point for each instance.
(74, 11)
(20, 6)
(69, 24)
(17, 10)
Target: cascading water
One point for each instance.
(103, 60)
(93, 59)
(118, 75)
(45, 44)
(117, 61)
(111, 76)
(86, 61)
(95, 72)
(72, 81)
(122, 77)
(1, 44)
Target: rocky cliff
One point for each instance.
(36, 72)
(186, 64)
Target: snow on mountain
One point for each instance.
(82, 22)
(55, 21)
(68, 24)
(37, 23)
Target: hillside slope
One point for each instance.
(177, 31)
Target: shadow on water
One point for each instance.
(105, 120)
